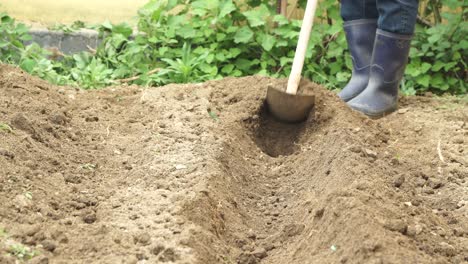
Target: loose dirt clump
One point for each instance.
(201, 173)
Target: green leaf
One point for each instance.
(244, 35)
(437, 66)
(28, 65)
(267, 41)
(107, 25)
(425, 67)
(226, 7)
(243, 64)
(281, 20)
(233, 53)
(220, 57)
(424, 80)
(258, 16)
(124, 29)
(227, 69)
(186, 32)
(449, 66)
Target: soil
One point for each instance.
(201, 173)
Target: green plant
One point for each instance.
(77, 25)
(5, 127)
(22, 252)
(197, 40)
(185, 69)
(440, 51)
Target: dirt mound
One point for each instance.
(202, 173)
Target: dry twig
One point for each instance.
(134, 78)
(439, 151)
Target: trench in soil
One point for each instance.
(146, 176)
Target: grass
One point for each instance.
(18, 250)
(22, 252)
(5, 127)
(50, 12)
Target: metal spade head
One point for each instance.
(291, 108)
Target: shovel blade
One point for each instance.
(290, 108)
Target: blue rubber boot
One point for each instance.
(388, 65)
(360, 35)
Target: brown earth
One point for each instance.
(201, 173)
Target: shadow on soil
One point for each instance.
(273, 137)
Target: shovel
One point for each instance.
(288, 106)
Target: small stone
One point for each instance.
(319, 212)
(251, 234)
(292, 230)
(355, 149)
(92, 119)
(180, 167)
(416, 202)
(447, 249)
(143, 239)
(402, 111)
(49, 245)
(22, 202)
(370, 153)
(409, 204)
(134, 217)
(141, 256)
(429, 191)
(32, 230)
(158, 249)
(6, 153)
(270, 247)
(246, 258)
(396, 225)
(260, 253)
(399, 181)
(461, 203)
(90, 218)
(414, 230)
(436, 183)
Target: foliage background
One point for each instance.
(196, 40)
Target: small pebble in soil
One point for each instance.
(6, 153)
(251, 234)
(180, 167)
(92, 119)
(143, 239)
(399, 181)
(260, 253)
(49, 245)
(355, 149)
(414, 230)
(246, 258)
(396, 225)
(134, 217)
(370, 153)
(90, 218)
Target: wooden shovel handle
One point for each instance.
(301, 49)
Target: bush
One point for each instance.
(194, 41)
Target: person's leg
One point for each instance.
(360, 25)
(358, 9)
(391, 48)
(397, 16)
